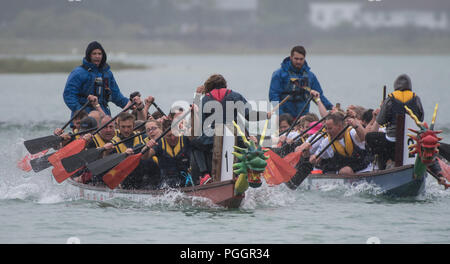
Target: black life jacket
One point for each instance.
(400, 99)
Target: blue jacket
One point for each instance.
(280, 86)
(80, 84)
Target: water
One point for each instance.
(33, 209)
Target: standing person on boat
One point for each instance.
(381, 143)
(217, 94)
(95, 78)
(290, 79)
(347, 154)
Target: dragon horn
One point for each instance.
(414, 117)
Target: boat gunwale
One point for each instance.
(360, 175)
(190, 189)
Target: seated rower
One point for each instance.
(126, 130)
(173, 153)
(151, 175)
(347, 154)
(101, 139)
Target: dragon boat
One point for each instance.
(406, 179)
(234, 171)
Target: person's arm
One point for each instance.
(116, 96)
(357, 126)
(148, 102)
(140, 108)
(420, 115)
(385, 111)
(276, 87)
(72, 90)
(315, 85)
(322, 109)
(96, 105)
(152, 145)
(373, 126)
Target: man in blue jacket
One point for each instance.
(93, 78)
(290, 79)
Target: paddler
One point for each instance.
(173, 153)
(217, 95)
(381, 143)
(347, 154)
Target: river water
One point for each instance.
(34, 209)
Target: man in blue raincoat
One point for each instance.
(294, 78)
(93, 78)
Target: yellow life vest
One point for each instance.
(122, 147)
(346, 150)
(99, 142)
(155, 159)
(172, 152)
(403, 96)
(75, 130)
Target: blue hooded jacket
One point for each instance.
(81, 83)
(280, 86)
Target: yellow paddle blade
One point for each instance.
(263, 134)
(240, 133)
(434, 115)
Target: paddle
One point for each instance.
(73, 148)
(281, 170)
(25, 165)
(307, 167)
(39, 144)
(444, 150)
(311, 127)
(159, 109)
(41, 163)
(86, 156)
(116, 175)
(333, 140)
(295, 122)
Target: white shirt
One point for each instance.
(329, 153)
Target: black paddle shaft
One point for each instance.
(78, 160)
(295, 122)
(76, 114)
(159, 109)
(114, 118)
(332, 141)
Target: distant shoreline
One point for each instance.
(25, 66)
(319, 46)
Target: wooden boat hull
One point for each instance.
(220, 193)
(399, 181)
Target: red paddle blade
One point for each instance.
(70, 149)
(117, 174)
(445, 169)
(60, 174)
(277, 170)
(293, 158)
(25, 164)
(272, 174)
